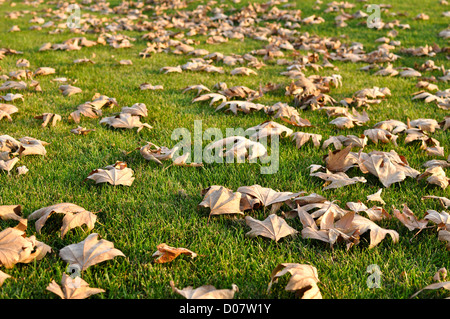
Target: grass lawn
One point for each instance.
(161, 204)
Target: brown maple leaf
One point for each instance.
(205, 292)
(272, 227)
(89, 252)
(303, 280)
(117, 174)
(166, 253)
(73, 288)
(221, 200)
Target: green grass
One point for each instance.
(152, 210)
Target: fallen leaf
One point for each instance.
(407, 218)
(68, 90)
(117, 174)
(125, 120)
(221, 200)
(137, 109)
(376, 197)
(46, 117)
(89, 252)
(12, 212)
(81, 130)
(205, 292)
(272, 227)
(167, 253)
(303, 280)
(3, 277)
(74, 216)
(16, 248)
(73, 288)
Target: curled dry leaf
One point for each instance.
(13, 85)
(303, 280)
(81, 130)
(74, 216)
(376, 197)
(199, 87)
(117, 174)
(426, 125)
(341, 141)
(15, 247)
(340, 160)
(442, 220)
(183, 160)
(31, 146)
(83, 60)
(290, 115)
(244, 106)
(376, 135)
(236, 147)
(12, 212)
(301, 138)
(268, 129)
(272, 227)
(8, 165)
(407, 218)
(152, 152)
(68, 90)
(221, 201)
(73, 288)
(44, 71)
(125, 120)
(171, 69)
(3, 277)
(329, 232)
(215, 97)
(9, 97)
(89, 252)
(243, 71)
(264, 196)
(348, 228)
(205, 292)
(166, 253)
(6, 110)
(46, 117)
(137, 109)
(336, 180)
(389, 167)
(445, 202)
(438, 285)
(86, 110)
(148, 86)
(435, 175)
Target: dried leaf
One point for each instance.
(303, 280)
(376, 197)
(68, 90)
(74, 216)
(46, 117)
(408, 218)
(221, 200)
(272, 227)
(205, 292)
(89, 252)
(3, 277)
(125, 120)
(167, 253)
(73, 288)
(117, 174)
